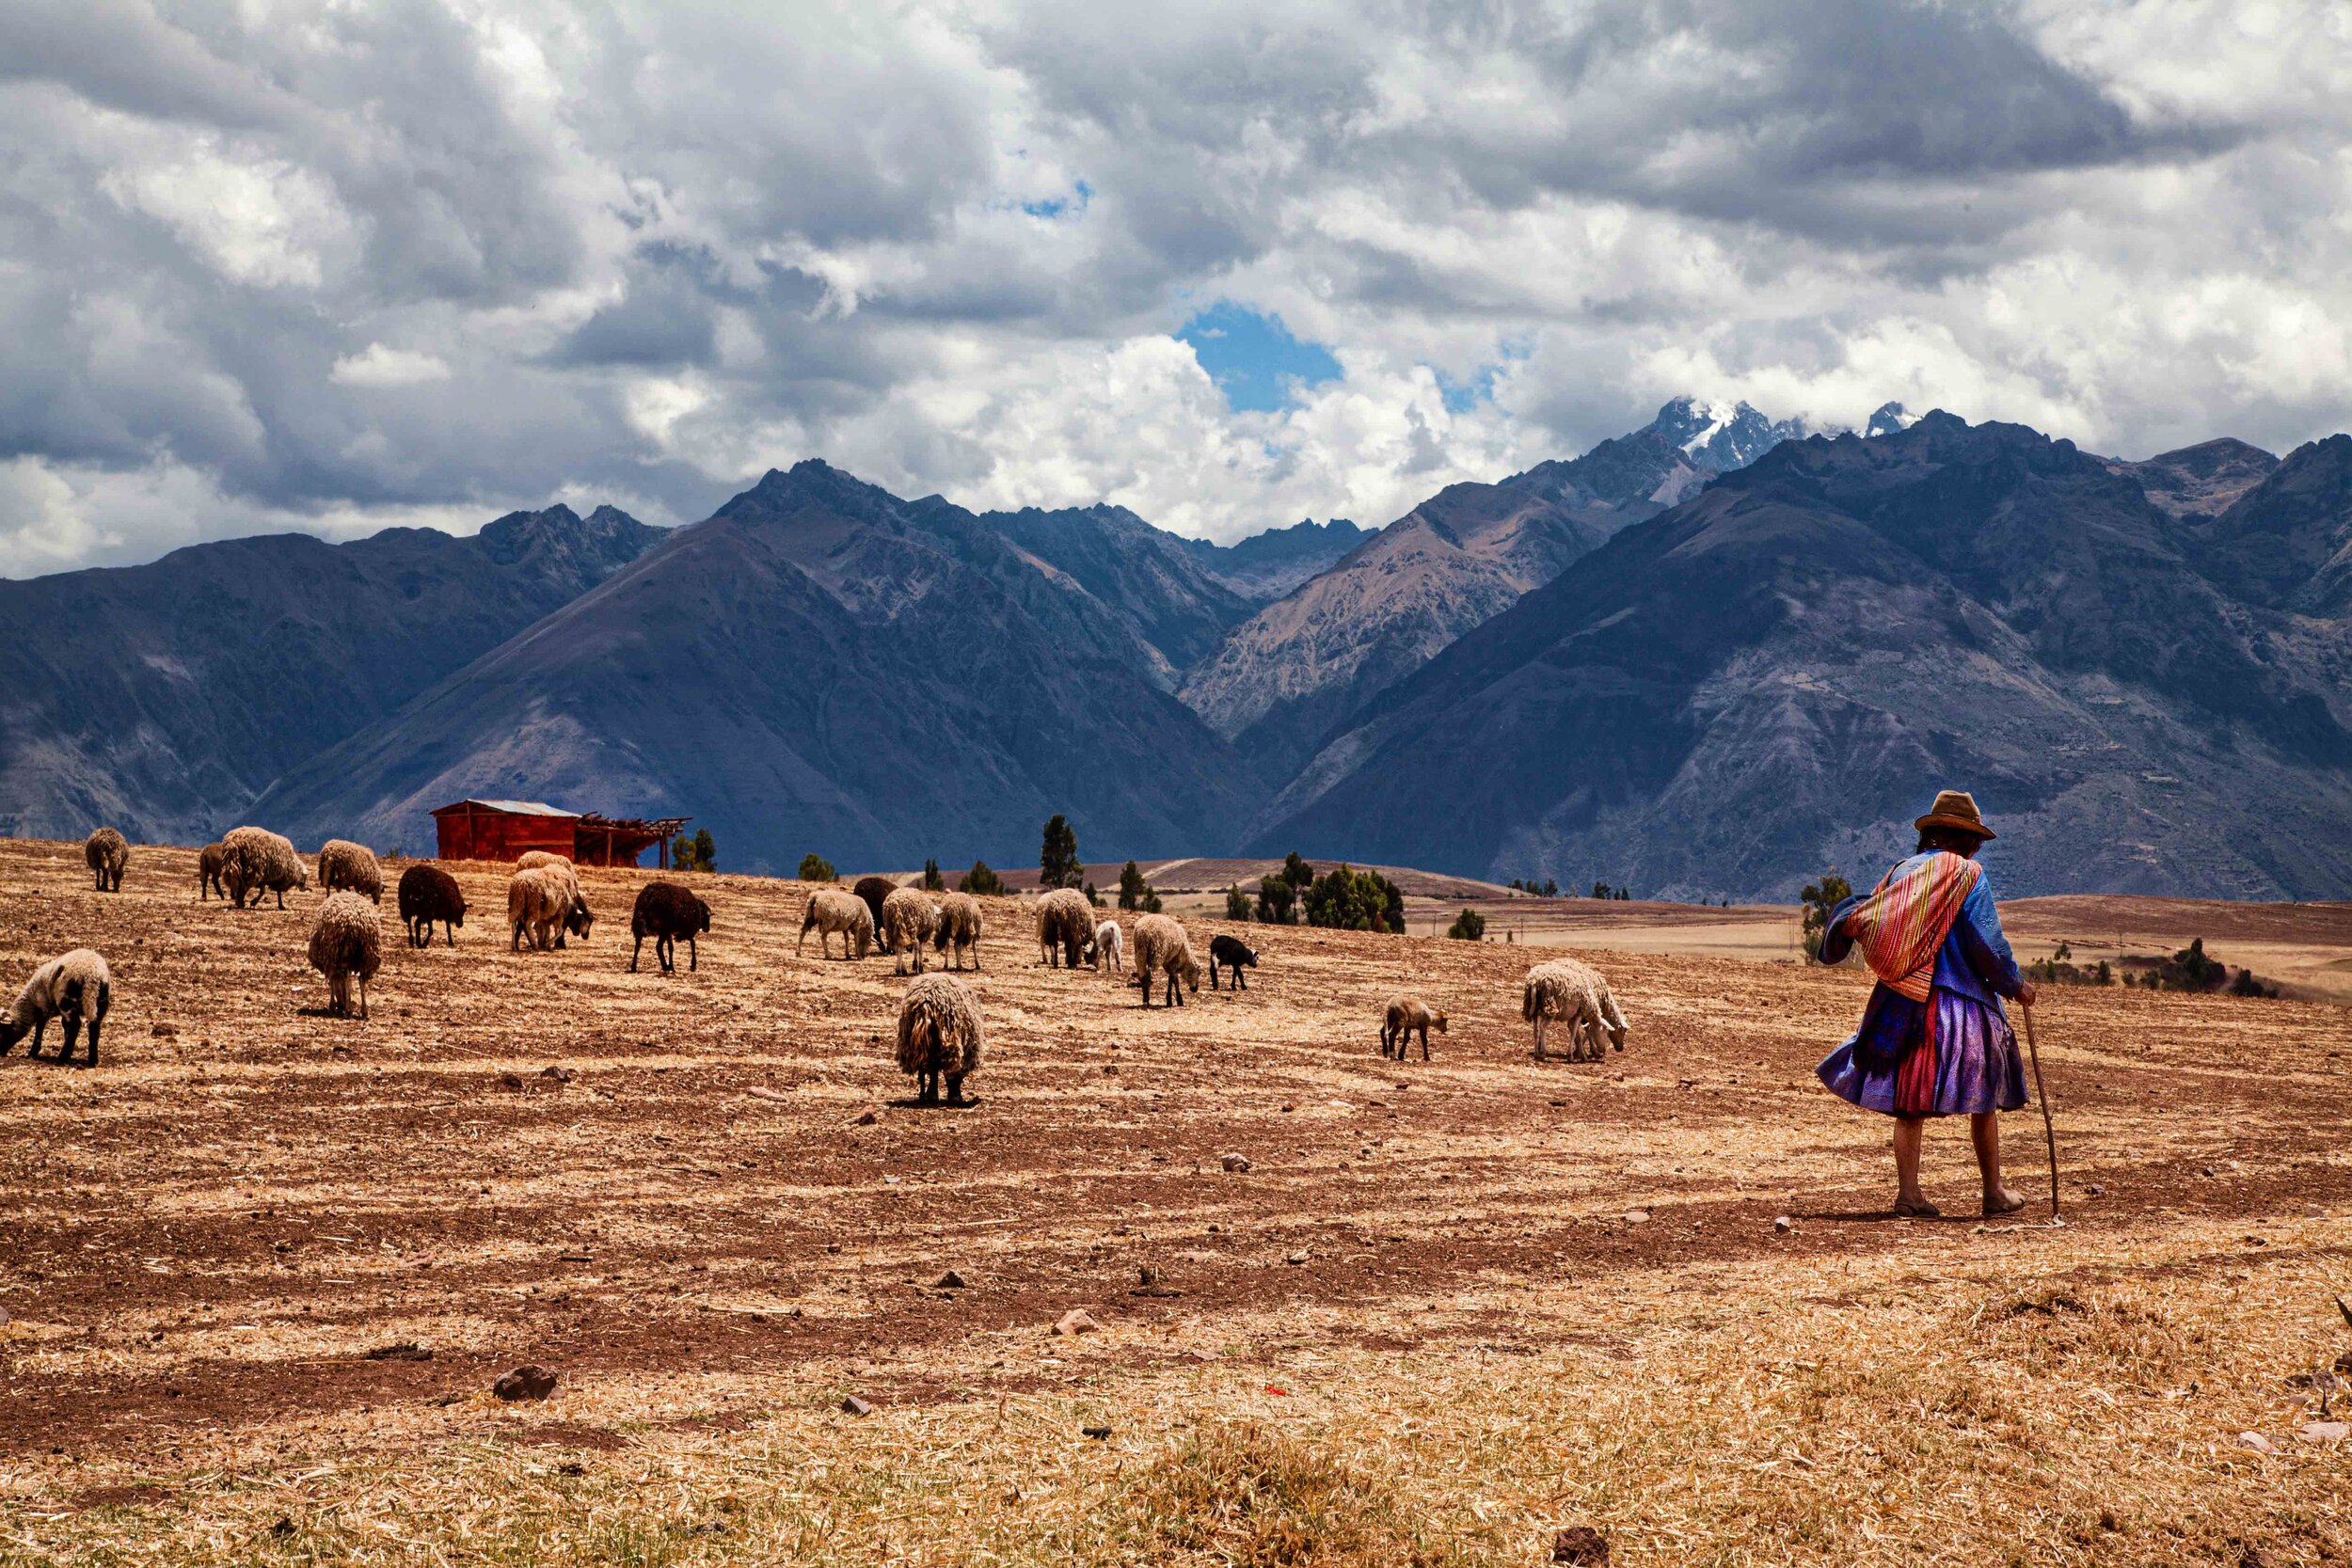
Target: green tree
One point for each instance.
(1133, 889)
(1819, 899)
(1093, 898)
(1058, 860)
(699, 853)
(1346, 899)
(816, 868)
(933, 880)
(1469, 925)
(1237, 906)
(981, 881)
(1297, 872)
(1276, 898)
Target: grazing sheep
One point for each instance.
(547, 903)
(939, 1037)
(210, 861)
(873, 889)
(259, 861)
(345, 865)
(908, 919)
(1406, 1015)
(1234, 955)
(106, 855)
(1565, 989)
(532, 860)
(1065, 924)
(1109, 947)
(346, 939)
(76, 987)
(830, 912)
(428, 893)
(561, 866)
(1162, 948)
(666, 911)
(958, 928)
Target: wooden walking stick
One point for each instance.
(2049, 1130)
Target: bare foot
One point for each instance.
(2001, 1201)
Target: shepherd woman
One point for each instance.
(1935, 1040)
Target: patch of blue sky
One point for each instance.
(1053, 207)
(1462, 396)
(1253, 358)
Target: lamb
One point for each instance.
(874, 890)
(939, 1037)
(1406, 1014)
(547, 903)
(1109, 946)
(1162, 947)
(75, 986)
(428, 893)
(1567, 989)
(1233, 954)
(666, 911)
(346, 939)
(958, 928)
(345, 865)
(209, 860)
(830, 911)
(1065, 924)
(908, 919)
(106, 855)
(257, 862)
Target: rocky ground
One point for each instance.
(261, 1266)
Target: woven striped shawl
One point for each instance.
(1905, 919)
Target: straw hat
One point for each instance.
(1955, 808)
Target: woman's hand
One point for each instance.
(2025, 993)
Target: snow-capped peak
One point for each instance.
(1890, 417)
(1721, 436)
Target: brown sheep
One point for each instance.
(210, 861)
(939, 1037)
(1065, 925)
(1162, 948)
(1406, 1014)
(958, 928)
(908, 918)
(105, 853)
(344, 864)
(428, 893)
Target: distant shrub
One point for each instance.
(1058, 863)
(1093, 898)
(980, 880)
(933, 880)
(1819, 899)
(1276, 901)
(1237, 905)
(1297, 872)
(698, 853)
(1345, 899)
(1469, 925)
(816, 868)
(1135, 893)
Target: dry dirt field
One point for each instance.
(261, 1266)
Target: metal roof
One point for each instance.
(512, 808)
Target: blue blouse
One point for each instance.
(1975, 960)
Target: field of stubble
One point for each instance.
(261, 1266)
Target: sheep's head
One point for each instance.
(576, 920)
(702, 916)
(1436, 1022)
(11, 1031)
(302, 876)
(1616, 1035)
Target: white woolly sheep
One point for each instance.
(939, 1037)
(547, 859)
(257, 861)
(1108, 950)
(1162, 948)
(1565, 989)
(1406, 1014)
(346, 939)
(908, 919)
(210, 861)
(345, 865)
(74, 987)
(532, 860)
(1065, 924)
(958, 928)
(106, 854)
(543, 901)
(830, 913)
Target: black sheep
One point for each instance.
(1230, 952)
(666, 911)
(874, 890)
(428, 893)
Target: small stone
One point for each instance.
(1582, 1545)
(2257, 1442)
(2208, 1170)
(531, 1382)
(1558, 1103)
(1637, 1216)
(866, 1120)
(165, 1031)
(408, 1350)
(1076, 1322)
(561, 1074)
(950, 1281)
(2095, 1190)
(508, 1080)
(1290, 1108)
(1295, 1259)
(1110, 1070)
(2324, 1431)
(1147, 1276)
(856, 1406)
(1783, 1225)
(890, 1181)
(1237, 1164)
(1098, 1433)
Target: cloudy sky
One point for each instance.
(334, 266)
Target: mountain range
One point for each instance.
(1706, 658)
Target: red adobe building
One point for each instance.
(506, 830)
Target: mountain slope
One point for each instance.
(1143, 574)
(1775, 675)
(163, 698)
(2286, 543)
(1264, 566)
(1283, 678)
(816, 666)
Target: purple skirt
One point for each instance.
(1949, 1056)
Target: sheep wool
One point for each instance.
(257, 861)
(1577, 992)
(939, 1037)
(541, 902)
(73, 986)
(429, 894)
(1162, 948)
(1065, 924)
(1110, 947)
(106, 855)
(958, 928)
(345, 865)
(578, 919)
(908, 918)
(831, 912)
(346, 941)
